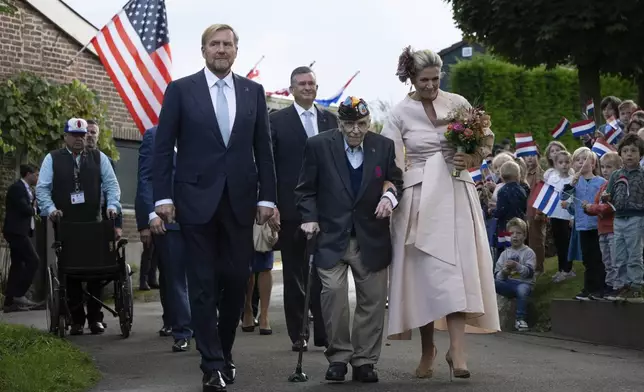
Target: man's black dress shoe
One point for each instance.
(229, 372)
(165, 332)
(97, 328)
(336, 371)
(213, 382)
(181, 345)
(364, 373)
(298, 344)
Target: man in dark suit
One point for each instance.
(219, 122)
(19, 225)
(342, 196)
(168, 244)
(290, 128)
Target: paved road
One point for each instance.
(507, 362)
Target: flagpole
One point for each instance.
(255, 66)
(78, 53)
(311, 65)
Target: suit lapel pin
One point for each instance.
(246, 89)
(378, 172)
(373, 150)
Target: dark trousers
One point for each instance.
(561, 235)
(295, 271)
(595, 274)
(173, 283)
(24, 264)
(76, 299)
(218, 260)
(149, 265)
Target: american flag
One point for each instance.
(134, 48)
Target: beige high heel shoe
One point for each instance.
(427, 372)
(457, 373)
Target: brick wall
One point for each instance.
(30, 42)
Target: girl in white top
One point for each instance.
(560, 220)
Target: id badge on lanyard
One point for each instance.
(78, 196)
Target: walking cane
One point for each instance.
(298, 375)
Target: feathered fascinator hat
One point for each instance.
(406, 65)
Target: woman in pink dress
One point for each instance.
(441, 273)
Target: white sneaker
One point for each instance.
(521, 326)
(570, 275)
(559, 276)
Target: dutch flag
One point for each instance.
(503, 240)
(590, 108)
(476, 174)
(612, 132)
(601, 147)
(561, 128)
(484, 165)
(585, 127)
(525, 145)
(547, 198)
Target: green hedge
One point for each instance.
(527, 100)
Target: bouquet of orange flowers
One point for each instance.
(466, 129)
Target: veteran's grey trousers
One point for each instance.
(362, 345)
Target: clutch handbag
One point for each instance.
(264, 238)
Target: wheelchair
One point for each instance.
(88, 251)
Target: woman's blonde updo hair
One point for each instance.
(412, 62)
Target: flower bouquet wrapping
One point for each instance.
(466, 130)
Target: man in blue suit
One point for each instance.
(169, 245)
(219, 122)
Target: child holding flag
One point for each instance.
(514, 271)
(609, 162)
(626, 191)
(511, 202)
(582, 190)
(557, 177)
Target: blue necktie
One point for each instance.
(221, 110)
(308, 123)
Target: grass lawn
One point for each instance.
(34, 361)
(545, 291)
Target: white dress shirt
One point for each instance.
(229, 92)
(314, 118)
(355, 156)
(31, 200)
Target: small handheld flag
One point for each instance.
(612, 131)
(561, 128)
(601, 147)
(476, 174)
(585, 127)
(590, 109)
(503, 240)
(525, 145)
(546, 198)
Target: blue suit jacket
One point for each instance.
(144, 203)
(205, 166)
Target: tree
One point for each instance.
(379, 111)
(7, 7)
(591, 35)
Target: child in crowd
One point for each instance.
(523, 174)
(536, 219)
(626, 109)
(497, 183)
(558, 177)
(512, 198)
(582, 190)
(514, 271)
(552, 149)
(625, 191)
(609, 162)
(640, 134)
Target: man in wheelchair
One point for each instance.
(70, 188)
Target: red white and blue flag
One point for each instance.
(601, 147)
(546, 198)
(590, 108)
(476, 174)
(504, 239)
(612, 132)
(134, 48)
(585, 127)
(525, 145)
(561, 128)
